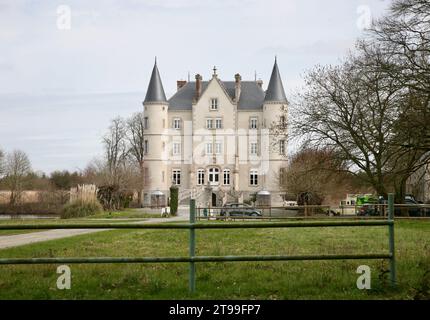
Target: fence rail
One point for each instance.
(373, 211)
(192, 226)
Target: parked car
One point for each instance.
(239, 209)
(368, 210)
(371, 209)
(413, 211)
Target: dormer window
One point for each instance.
(177, 123)
(253, 123)
(214, 104)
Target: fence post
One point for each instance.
(192, 272)
(391, 239)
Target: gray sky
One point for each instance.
(61, 82)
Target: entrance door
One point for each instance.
(214, 204)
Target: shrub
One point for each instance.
(113, 198)
(78, 209)
(174, 200)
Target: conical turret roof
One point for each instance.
(155, 92)
(275, 91)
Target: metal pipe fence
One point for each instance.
(369, 211)
(192, 226)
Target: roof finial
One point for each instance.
(155, 59)
(276, 58)
(214, 69)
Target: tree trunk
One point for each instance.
(399, 197)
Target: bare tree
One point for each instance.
(314, 174)
(116, 150)
(404, 36)
(1, 163)
(136, 141)
(354, 110)
(17, 168)
(117, 174)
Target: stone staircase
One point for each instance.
(185, 195)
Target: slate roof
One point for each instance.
(251, 96)
(155, 92)
(275, 91)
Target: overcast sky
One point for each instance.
(62, 80)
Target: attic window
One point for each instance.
(214, 104)
(253, 123)
(177, 123)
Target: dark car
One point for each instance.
(239, 209)
(410, 205)
(414, 209)
(368, 210)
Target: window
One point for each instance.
(218, 123)
(176, 148)
(253, 148)
(282, 147)
(164, 123)
(214, 175)
(176, 176)
(145, 123)
(209, 148)
(209, 123)
(253, 123)
(214, 104)
(146, 146)
(200, 176)
(162, 176)
(146, 176)
(282, 121)
(253, 177)
(177, 123)
(218, 147)
(226, 176)
(281, 176)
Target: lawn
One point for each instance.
(118, 216)
(233, 280)
(125, 214)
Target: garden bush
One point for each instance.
(78, 209)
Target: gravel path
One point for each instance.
(39, 236)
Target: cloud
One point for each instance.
(111, 47)
(320, 47)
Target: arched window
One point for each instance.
(200, 176)
(226, 177)
(213, 175)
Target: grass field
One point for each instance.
(117, 216)
(233, 280)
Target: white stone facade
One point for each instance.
(206, 140)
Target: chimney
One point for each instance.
(237, 86)
(180, 84)
(198, 87)
(260, 83)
